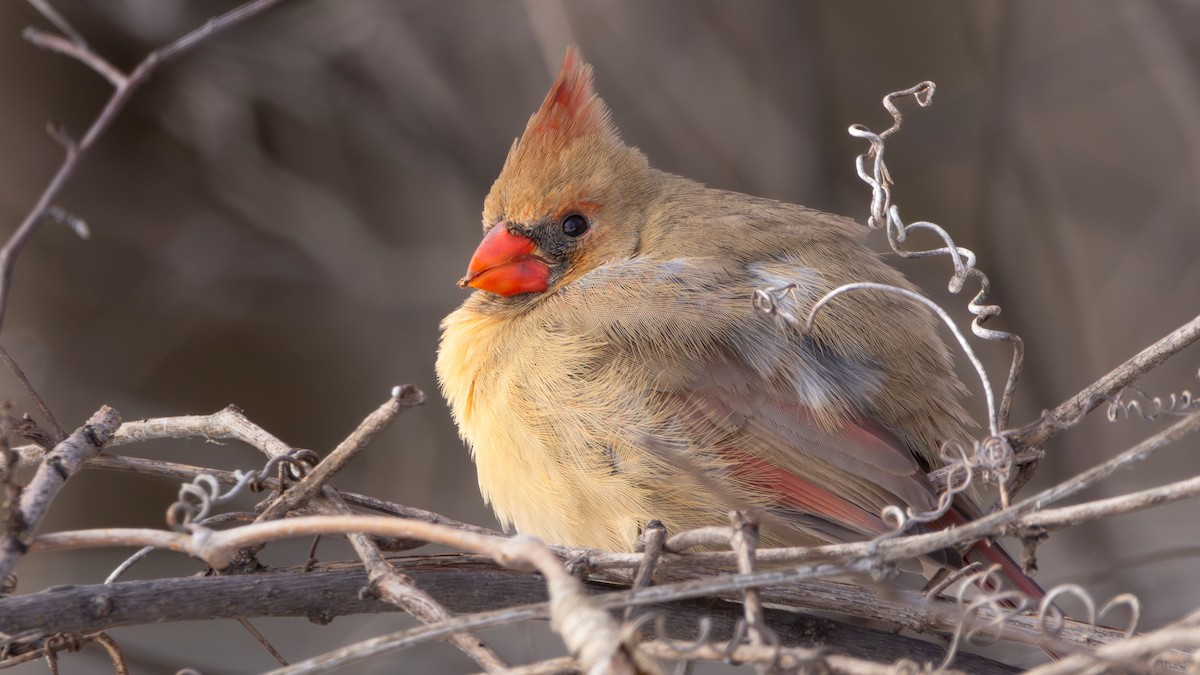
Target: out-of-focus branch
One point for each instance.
(59, 465)
(59, 21)
(125, 86)
(80, 52)
(59, 432)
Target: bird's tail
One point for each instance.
(987, 554)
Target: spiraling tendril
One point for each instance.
(197, 498)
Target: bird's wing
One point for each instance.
(789, 416)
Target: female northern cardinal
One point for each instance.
(611, 368)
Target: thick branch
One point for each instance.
(461, 583)
(217, 548)
(59, 465)
(588, 632)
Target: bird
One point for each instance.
(610, 367)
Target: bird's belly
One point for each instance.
(543, 446)
(560, 488)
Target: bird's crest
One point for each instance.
(568, 156)
(571, 109)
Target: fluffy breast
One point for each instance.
(542, 433)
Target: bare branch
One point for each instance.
(53, 16)
(30, 455)
(59, 465)
(588, 631)
(557, 666)
(1123, 375)
(231, 424)
(1120, 657)
(15, 369)
(787, 659)
(79, 52)
(124, 90)
(297, 495)
(389, 584)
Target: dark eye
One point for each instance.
(574, 225)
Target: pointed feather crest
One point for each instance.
(570, 157)
(571, 109)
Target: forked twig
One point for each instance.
(125, 86)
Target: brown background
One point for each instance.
(278, 219)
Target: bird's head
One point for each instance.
(570, 197)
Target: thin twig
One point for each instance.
(56, 643)
(12, 248)
(1123, 375)
(789, 659)
(403, 398)
(1124, 655)
(120, 666)
(712, 535)
(555, 666)
(30, 455)
(652, 540)
(262, 640)
(744, 542)
(15, 369)
(59, 21)
(79, 52)
(383, 644)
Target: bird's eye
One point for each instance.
(574, 225)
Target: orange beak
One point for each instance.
(505, 264)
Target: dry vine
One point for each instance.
(615, 612)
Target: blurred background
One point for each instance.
(278, 219)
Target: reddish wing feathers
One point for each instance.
(796, 492)
(863, 439)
